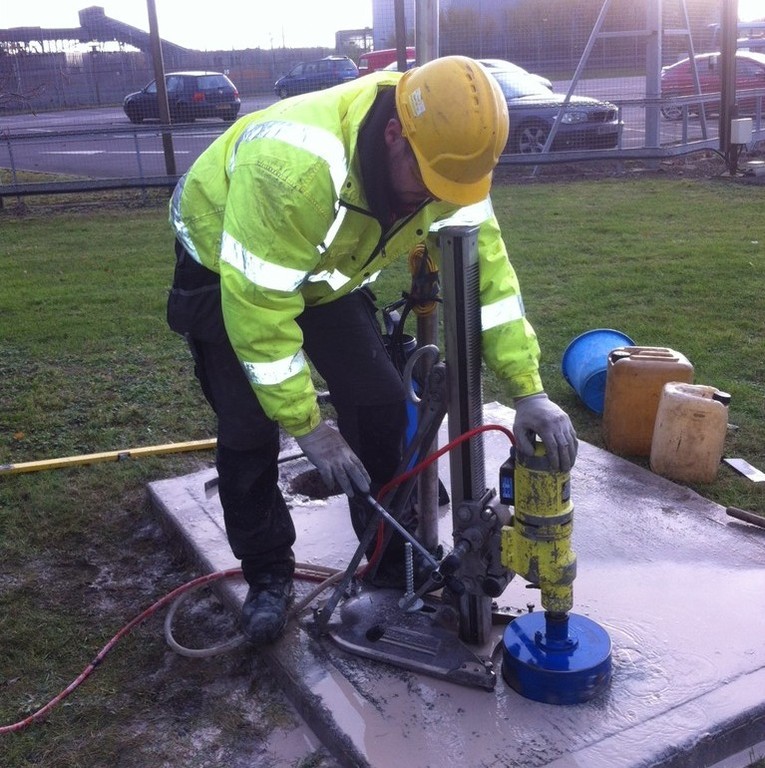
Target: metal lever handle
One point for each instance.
(443, 572)
(400, 528)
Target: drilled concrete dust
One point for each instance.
(678, 585)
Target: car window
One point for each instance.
(310, 68)
(346, 66)
(515, 85)
(174, 84)
(325, 66)
(298, 70)
(209, 82)
(151, 87)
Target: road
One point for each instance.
(96, 146)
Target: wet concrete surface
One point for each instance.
(678, 585)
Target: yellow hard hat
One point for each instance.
(454, 116)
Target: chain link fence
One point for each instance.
(584, 80)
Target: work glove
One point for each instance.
(537, 415)
(338, 465)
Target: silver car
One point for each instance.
(584, 123)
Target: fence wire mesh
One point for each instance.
(584, 79)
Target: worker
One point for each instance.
(281, 225)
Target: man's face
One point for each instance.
(405, 177)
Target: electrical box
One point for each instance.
(741, 130)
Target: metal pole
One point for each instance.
(426, 38)
(424, 293)
(575, 79)
(159, 74)
(400, 21)
(653, 57)
(427, 485)
(729, 44)
(696, 81)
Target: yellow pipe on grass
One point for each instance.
(94, 458)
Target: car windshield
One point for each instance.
(516, 84)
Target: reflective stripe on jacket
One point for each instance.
(276, 205)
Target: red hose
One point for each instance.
(108, 647)
(391, 484)
(231, 573)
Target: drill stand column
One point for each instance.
(474, 525)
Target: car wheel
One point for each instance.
(283, 93)
(229, 117)
(672, 111)
(532, 138)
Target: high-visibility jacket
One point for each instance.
(276, 206)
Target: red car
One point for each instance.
(677, 80)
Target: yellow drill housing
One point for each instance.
(537, 544)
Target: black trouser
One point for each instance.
(343, 342)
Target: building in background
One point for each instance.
(384, 17)
(384, 23)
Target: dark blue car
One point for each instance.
(316, 75)
(189, 95)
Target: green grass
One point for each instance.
(675, 264)
(87, 364)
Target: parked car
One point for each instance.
(374, 60)
(508, 66)
(586, 123)
(189, 95)
(316, 75)
(393, 66)
(489, 64)
(677, 80)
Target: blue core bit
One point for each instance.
(556, 659)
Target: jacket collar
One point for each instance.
(372, 153)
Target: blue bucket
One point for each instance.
(585, 363)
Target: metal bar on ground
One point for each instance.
(749, 517)
(94, 458)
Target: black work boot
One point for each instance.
(264, 613)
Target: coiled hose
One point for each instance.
(326, 577)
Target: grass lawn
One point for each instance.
(87, 364)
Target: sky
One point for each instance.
(216, 25)
(749, 10)
(266, 23)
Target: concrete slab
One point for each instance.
(679, 586)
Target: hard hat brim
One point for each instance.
(450, 191)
